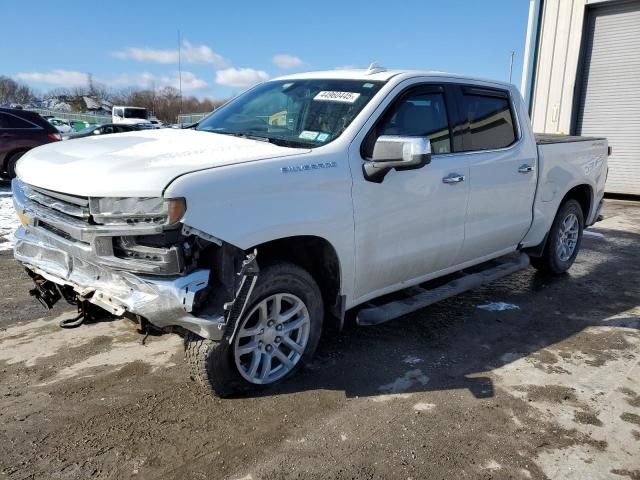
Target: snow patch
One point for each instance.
(492, 465)
(9, 221)
(591, 233)
(391, 396)
(423, 406)
(411, 360)
(498, 307)
(405, 382)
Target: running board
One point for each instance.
(425, 297)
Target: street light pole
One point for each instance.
(179, 73)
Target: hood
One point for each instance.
(138, 163)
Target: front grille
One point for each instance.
(57, 231)
(71, 205)
(64, 223)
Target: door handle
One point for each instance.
(525, 168)
(453, 178)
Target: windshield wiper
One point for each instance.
(288, 143)
(273, 140)
(240, 135)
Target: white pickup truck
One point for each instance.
(303, 198)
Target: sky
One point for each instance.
(228, 46)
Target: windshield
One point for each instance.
(306, 113)
(135, 113)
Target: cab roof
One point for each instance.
(382, 74)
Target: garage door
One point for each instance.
(610, 98)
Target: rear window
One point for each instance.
(11, 121)
(490, 118)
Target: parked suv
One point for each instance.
(21, 130)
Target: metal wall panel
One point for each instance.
(609, 103)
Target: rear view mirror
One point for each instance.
(399, 152)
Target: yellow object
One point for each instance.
(24, 218)
(278, 119)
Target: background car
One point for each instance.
(21, 130)
(103, 129)
(62, 125)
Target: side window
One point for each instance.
(416, 114)
(11, 121)
(490, 120)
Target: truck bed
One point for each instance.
(550, 138)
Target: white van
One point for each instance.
(130, 115)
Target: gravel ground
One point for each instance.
(546, 390)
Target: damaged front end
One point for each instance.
(130, 257)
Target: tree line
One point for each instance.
(165, 103)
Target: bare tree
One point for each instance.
(14, 92)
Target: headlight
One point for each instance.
(134, 210)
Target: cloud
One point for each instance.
(66, 78)
(287, 61)
(240, 77)
(190, 81)
(190, 54)
(202, 54)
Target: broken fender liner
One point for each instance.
(249, 273)
(424, 297)
(46, 293)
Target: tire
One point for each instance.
(216, 366)
(11, 164)
(555, 259)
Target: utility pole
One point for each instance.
(180, 73)
(513, 54)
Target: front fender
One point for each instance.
(252, 203)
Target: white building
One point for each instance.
(581, 76)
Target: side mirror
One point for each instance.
(399, 152)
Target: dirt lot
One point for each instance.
(547, 390)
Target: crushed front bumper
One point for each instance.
(58, 255)
(163, 302)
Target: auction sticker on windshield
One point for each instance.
(332, 96)
(308, 135)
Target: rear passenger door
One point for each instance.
(502, 173)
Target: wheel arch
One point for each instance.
(318, 257)
(8, 155)
(583, 194)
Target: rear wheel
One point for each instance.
(564, 239)
(276, 336)
(11, 164)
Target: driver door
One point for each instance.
(411, 224)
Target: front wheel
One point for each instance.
(563, 242)
(276, 336)
(11, 164)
